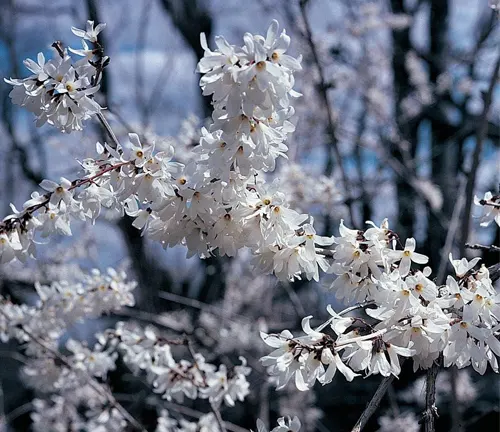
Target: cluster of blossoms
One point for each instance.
(63, 304)
(206, 423)
(60, 92)
(412, 316)
(69, 380)
(219, 202)
(144, 350)
(308, 191)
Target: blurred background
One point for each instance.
(393, 99)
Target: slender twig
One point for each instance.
(322, 89)
(9, 224)
(213, 406)
(373, 404)
(18, 412)
(218, 417)
(114, 140)
(491, 248)
(345, 312)
(452, 231)
(295, 299)
(471, 177)
(218, 311)
(489, 203)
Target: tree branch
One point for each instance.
(471, 177)
(430, 414)
(373, 404)
(476, 246)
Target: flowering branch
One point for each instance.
(93, 383)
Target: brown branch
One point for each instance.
(9, 224)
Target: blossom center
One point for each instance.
(261, 65)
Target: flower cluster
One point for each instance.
(413, 316)
(144, 350)
(116, 180)
(60, 92)
(62, 304)
(219, 201)
(68, 380)
(206, 423)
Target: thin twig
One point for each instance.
(322, 89)
(295, 299)
(373, 404)
(477, 246)
(451, 234)
(114, 140)
(218, 417)
(325, 252)
(18, 412)
(206, 307)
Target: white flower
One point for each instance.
(9, 245)
(285, 424)
(491, 208)
(463, 266)
(90, 33)
(59, 191)
(407, 256)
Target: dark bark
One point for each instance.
(444, 152)
(192, 17)
(408, 129)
